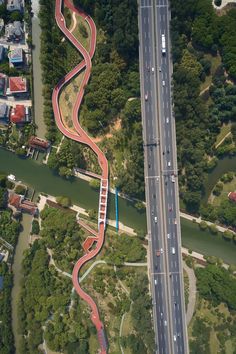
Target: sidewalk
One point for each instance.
(198, 220)
(82, 211)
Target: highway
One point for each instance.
(161, 183)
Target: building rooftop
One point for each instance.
(17, 85)
(36, 142)
(4, 111)
(14, 31)
(14, 5)
(16, 56)
(14, 200)
(18, 114)
(2, 85)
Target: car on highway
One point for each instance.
(175, 337)
(169, 163)
(153, 70)
(173, 250)
(167, 120)
(173, 178)
(163, 83)
(168, 235)
(155, 219)
(165, 323)
(155, 281)
(146, 97)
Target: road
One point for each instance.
(79, 135)
(161, 184)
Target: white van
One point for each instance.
(172, 250)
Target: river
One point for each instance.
(37, 72)
(22, 245)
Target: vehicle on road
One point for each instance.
(163, 44)
(173, 178)
(173, 250)
(155, 281)
(146, 97)
(175, 337)
(169, 164)
(163, 83)
(168, 235)
(153, 70)
(155, 219)
(159, 252)
(165, 323)
(167, 120)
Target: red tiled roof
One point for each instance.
(232, 196)
(34, 141)
(14, 200)
(17, 84)
(18, 114)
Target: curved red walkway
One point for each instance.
(81, 136)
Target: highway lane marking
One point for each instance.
(158, 273)
(145, 6)
(147, 177)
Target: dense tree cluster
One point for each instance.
(143, 340)
(196, 30)
(44, 302)
(123, 248)
(62, 234)
(69, 156)
(217, 285)
(6, 335)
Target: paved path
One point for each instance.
(79, 135)
(198, 220)
(192, 292)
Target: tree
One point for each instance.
(213, 229)
(94, 183)
(228, 235)
(35, 227)
(203, 225)
(65, 202)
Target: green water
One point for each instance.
(42, 179)
(205, 243)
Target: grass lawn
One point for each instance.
(228, 187)
(225, 129)
(209, 313)
(68, 97)
(215, 62)
(93, 344)
(77, 33)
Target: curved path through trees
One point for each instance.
(79, 135)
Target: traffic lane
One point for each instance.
(161, 310)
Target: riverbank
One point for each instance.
(37, 73)
(22, 245)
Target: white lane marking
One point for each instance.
(171, 192)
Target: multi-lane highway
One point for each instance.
(161, 178)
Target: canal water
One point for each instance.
(37, 72)
(42, 179)
(22, 245)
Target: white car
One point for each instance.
(155, 281)
(168, 235)
(163, 83)
(165, 323)
(175, 337)
(155, 219)
(173, 250)
(167, 120)
(173, 178)
(161, 250)
(152, 70)
(146, 97)
(169, 164)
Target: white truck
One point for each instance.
(163, 44)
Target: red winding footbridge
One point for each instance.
(79, 135)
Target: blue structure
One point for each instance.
(117, 209)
